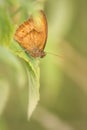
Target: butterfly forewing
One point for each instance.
(32, 35)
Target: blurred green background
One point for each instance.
(63, 78)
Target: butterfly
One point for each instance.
(32, 35)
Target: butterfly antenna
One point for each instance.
(54, 54)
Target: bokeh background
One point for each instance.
(63, 78)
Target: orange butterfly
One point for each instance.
(32, 35)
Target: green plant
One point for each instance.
(11, 12)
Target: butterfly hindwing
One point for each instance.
(32, 35)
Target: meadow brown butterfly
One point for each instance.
(32, 35)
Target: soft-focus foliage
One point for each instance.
(7, 34)
(63, 84)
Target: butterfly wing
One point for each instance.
(32, 34)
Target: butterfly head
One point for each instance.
(37, 53)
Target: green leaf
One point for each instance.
(33, 76)
(33, 89)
